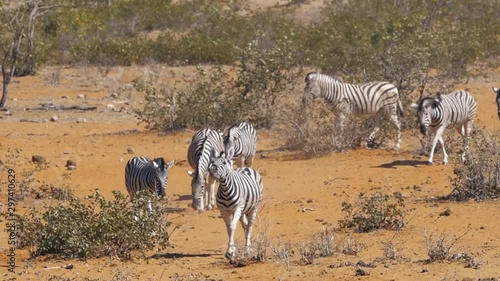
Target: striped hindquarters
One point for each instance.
(243, 138)
(454, 109)
(141, 173)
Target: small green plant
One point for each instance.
(96, 227)
(375, 212)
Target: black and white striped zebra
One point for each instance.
(202, 184)
(243, 138)
(347, 99)
(238, 196)
(455, 110)
(142, 173)
(497, 92)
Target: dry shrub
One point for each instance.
(315, 131)
(479, 177)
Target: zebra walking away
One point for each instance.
(142, 173)
(361, 99)
(238, 196)
(497, 92)
(199, 158)
(243, 138)
(455, 110)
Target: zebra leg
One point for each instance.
(395, 120)
(437, 136)
(249, 161)
(445, 155)
(248, 230)
(231, 228)
(210, 197)
(370, 141)
(466, 133)
(239, 161)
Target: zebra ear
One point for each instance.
(414, 105)
(170, 164)
(230, 152)
(190, 173)
(495, 89)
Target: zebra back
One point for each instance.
(142, 173)
(240, 188)
(243, 138)
(454, 109)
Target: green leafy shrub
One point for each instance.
(95, 227)
(375, 212)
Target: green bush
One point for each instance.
(95, 227)
(375, 212)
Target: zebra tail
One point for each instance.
(400, 108)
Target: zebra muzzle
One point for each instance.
(423, 129)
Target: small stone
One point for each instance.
(110, 107)
(67, 152)
(38, 159)
(70, 163)
(80, 96)
(114, 95)
(81, 120)
(130, 150)
(64, 97)
(54, 118)
(71, 167)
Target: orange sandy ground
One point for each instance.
(300, 197)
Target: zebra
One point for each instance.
(199, 157)
(455, 110)
(497, 92)
(238, 196)
(348, 99)
(244, 139)
(142, 173)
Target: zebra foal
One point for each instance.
(455, 110)
(199, 158)
(361, 99)
(142, 173)
(243, 138)
(238, 196)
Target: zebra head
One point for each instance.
(197, 190)
(425, 108)
(497, 92)
(312, 89)
(162, 174)
(220, 164)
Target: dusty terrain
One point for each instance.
(301, 196)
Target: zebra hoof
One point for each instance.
(429, 163)
(230, 256)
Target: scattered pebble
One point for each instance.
(71, 167)
(38, 159)
(70, 163)
(130, 150)
(114, 95)
(80, 96)
(81, 120)
(54, 118)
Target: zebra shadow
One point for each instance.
(394, 164)
(177, 256)
(184, 197)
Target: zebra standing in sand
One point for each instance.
(497, 92)
(142, 173)
(455, 110)
(243, 138)
(199, 158)
(238, 196)
(368, 98)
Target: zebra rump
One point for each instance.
(243, 140)
(142, 173)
